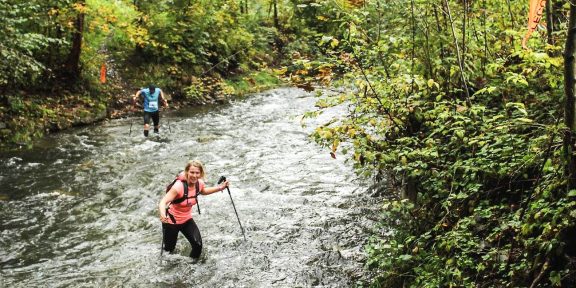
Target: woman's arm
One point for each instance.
(171, 195)
(220, 187)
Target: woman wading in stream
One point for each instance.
(176, 207)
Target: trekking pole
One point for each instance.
(222, 179)
(162, 245)
(168, 121)
(131, 122)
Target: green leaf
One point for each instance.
(405, 257)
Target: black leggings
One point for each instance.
(154, 115)
(190, 231)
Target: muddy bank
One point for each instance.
(25, 118)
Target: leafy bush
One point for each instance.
(475, 149)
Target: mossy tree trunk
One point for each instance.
(569, 90)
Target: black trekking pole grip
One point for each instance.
(222, 179)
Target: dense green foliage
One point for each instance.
(188, 48)
(23, 43)
(444, 103)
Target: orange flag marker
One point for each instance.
(103, 73)
(534, 16)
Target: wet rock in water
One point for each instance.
(265, 188)
(206, 138)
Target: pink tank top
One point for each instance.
(182, 211)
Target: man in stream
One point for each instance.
(151, 96)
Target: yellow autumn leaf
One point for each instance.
(335, 145)
(280, 71)
(334, 42)
(351, 132)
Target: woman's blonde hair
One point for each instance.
(197, 164)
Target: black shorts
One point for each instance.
(154, 115)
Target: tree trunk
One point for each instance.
(409, 190)
(244, 7)
(458, 56)
(557, 14)
(549, 22)
(275, 2)
(570, 108)
(73, 62)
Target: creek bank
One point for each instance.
(28, 117)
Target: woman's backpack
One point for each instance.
(180, 177)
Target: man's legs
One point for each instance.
(146, 123)
(156, 120)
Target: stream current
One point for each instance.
(80, 208)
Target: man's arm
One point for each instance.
(164, 101)
(136, 96)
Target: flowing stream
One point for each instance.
(80, 209)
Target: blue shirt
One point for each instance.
(151, 101)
